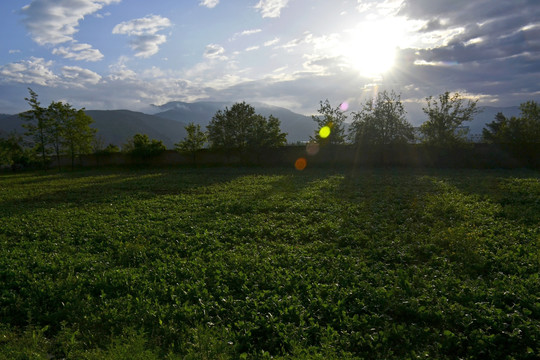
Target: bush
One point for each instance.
(141, 146)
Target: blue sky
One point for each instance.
(114, 54)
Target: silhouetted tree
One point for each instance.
(333, 119)
(38, 127)
(194, 140)
(54, 113)
(141, 146)
(13, 152)
(518, 131)
(111, 149)
(497, 131)
(77, 135)
(381, 122)
(530, 116)
(241, 128)
(267, 133)
(445, 118)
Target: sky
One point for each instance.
(131, 54)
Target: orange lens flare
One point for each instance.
(300, 164)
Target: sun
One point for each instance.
(370, 48)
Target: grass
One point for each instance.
(229, 263)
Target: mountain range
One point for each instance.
(167, 122)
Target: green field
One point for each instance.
(242, 263)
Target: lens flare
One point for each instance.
(344, 106)
(312, 148)
(300, 164)
(324, 132)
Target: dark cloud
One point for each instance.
(459, 12)
(496, 56)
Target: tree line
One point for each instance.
(61, 129)
(382, 121)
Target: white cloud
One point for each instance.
(380, 8)
(389, 7)
(145, 30)
(214, 51)
(14, 51)
(209, 3)
(250, 32)
(306, 38)
(120, 72)
(364, 7)
(32, 71)
(101, 16)
(56, 21)
(40, 72)
(252, 48)
(274, 41)
(147, 45)
(245, 33)
(437, 38)
(80, 76)
(271, 8)
(150, 24)
(81, 52)
(153, 73)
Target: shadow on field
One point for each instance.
(28, 179)
(28, 193)
(517, 191)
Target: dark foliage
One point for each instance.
(142, 147)
(241, 128)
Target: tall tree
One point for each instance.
(77, 134)
(55, 112)
(381, 121)
(330, 123)
(38, 127)
(446, 116)
(194, 140)
(241, 128)
(530, 115)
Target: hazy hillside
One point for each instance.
(200, 112)
(9, 123)
(117, 126)
(297, 126)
